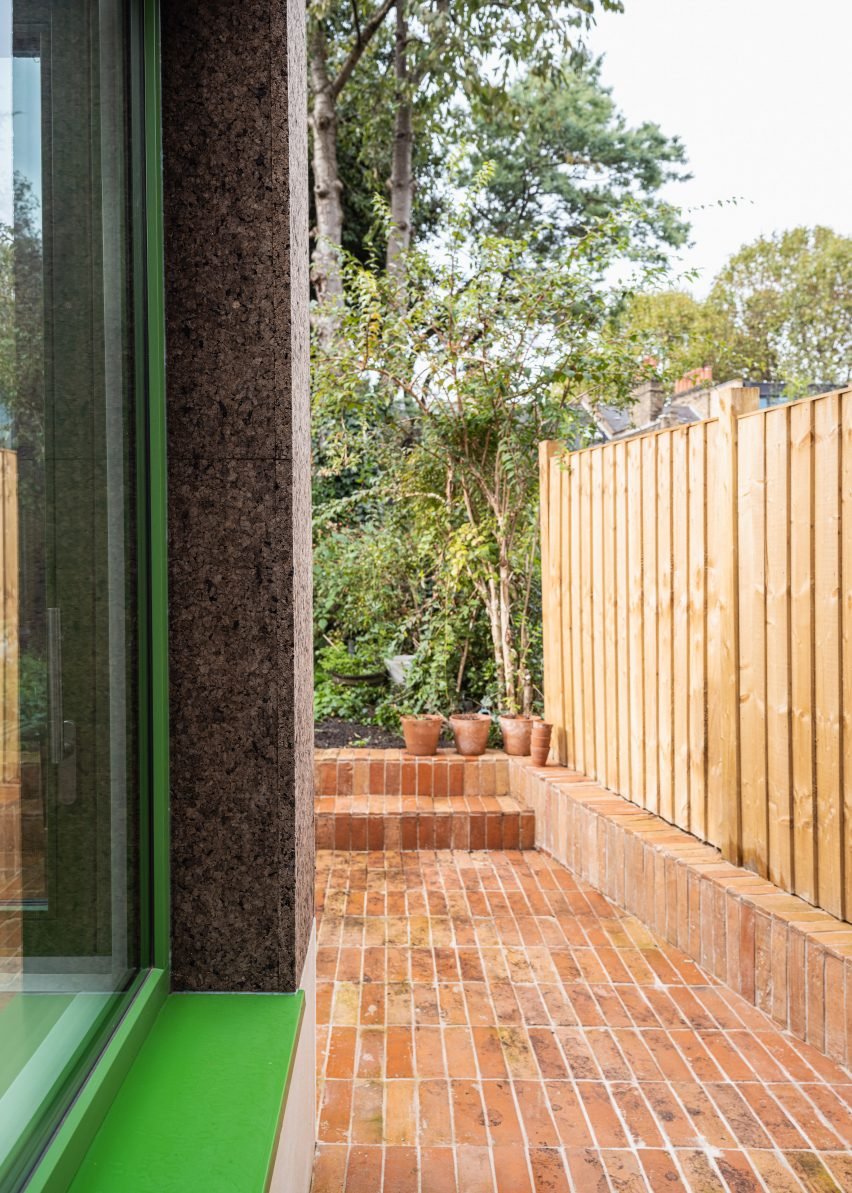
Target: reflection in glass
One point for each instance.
(70, 927)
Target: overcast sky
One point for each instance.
(760, 91)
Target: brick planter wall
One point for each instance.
(791, 960)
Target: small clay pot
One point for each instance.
(517, 731)
(540, 742)
(471, 731)
(422, 733)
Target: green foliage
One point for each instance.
(22, 325)
(678, 330)
(353, 702)
(441, 399)
(365, 118)
(363, 588)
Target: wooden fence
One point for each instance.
(697, 596)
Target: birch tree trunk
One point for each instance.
(402, 178)
(328, 189)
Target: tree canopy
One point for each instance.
(565, 156)
(395, 84)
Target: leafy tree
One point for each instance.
(784, 307)
(489, 355)
(564, 156)
(678, 331)
(779, 310)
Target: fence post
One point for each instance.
(549, 599)
(728, 827)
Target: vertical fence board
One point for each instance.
(555, 700)
(578, 535)
(680, 628)
(622, 530)
(610, 606)
(651, 794)
(846, 645)
(752, 585)
(718, 549)
(728, 551)
(698, 631)
(545, 451)
(801, 647)
(10, 728)
(778, 727)
(568, 714)
(590, 695)
(665, 657)
(697, 595)
(636, 608)
(598, 615)
(827, 653)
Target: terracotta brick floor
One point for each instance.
(489, 1023)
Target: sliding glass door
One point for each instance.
(73, 835)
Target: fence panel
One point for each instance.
(698, 630)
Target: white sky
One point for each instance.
(760, 91)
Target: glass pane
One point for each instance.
(70, 926)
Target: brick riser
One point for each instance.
(462, 829)
(385, 799)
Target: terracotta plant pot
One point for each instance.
(471, 731)
(422, 733)
(517, 732)
(540, 742)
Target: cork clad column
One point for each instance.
(236, 251)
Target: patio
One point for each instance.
(489, 1022)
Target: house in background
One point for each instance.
(694, 397)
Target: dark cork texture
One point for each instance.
(235, 177)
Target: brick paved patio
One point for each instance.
(487, 1023)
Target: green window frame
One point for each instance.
(64, 1152)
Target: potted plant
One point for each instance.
(517, 731)
(471, 730)
(422, 732)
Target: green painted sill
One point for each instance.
(200, 1108)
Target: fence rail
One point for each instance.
(697, 597)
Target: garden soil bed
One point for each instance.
(335, 734)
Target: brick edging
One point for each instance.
(791, 960)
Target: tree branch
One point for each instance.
(365, 37)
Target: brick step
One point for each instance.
(393, 822)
